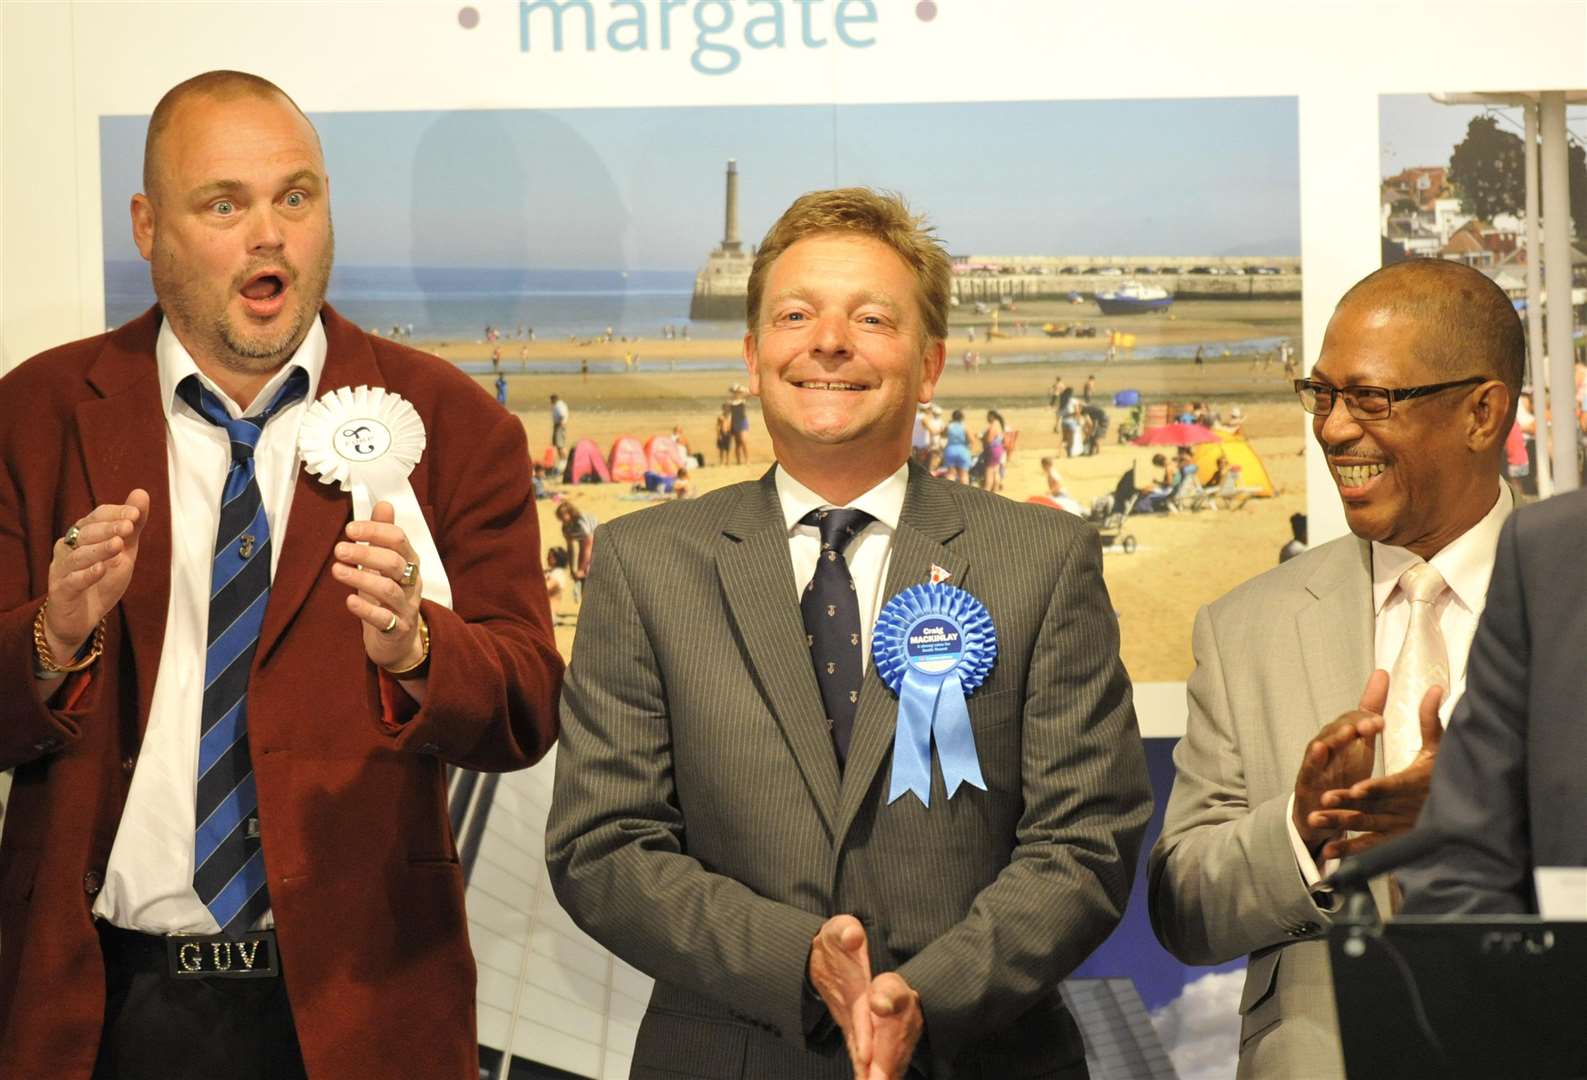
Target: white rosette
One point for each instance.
(367, 441)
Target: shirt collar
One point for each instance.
(1465, 563)
(175, 363)
(884, 502)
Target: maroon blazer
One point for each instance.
(363, 874)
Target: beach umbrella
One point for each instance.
(1175, 435)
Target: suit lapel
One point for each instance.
(758, 584)
(319, 511)
(123, 435)
(930, 518)
(1336, 630)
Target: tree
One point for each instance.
(1488, 170)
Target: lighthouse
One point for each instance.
(722, 284)
(730, 241)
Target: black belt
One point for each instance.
(193, 956)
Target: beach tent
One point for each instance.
(663, 456)
(1176, 435)
(1062, 502)
(627, 460)
(1127, 398)
(1253, 474)
(586, 465)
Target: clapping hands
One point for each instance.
(880, 1017)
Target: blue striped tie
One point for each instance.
(229, 871)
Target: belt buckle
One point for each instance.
(216, 956)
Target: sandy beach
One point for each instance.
(1216, 324)
(1182, 560)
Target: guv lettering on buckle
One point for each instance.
(220, 957)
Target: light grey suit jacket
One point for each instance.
(1276, 659)
(701, 829)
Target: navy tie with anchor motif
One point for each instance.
(228, 867)
(831, 610)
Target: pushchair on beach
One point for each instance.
(1109, 513)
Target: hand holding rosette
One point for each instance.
(367, 441)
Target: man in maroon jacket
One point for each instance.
(230, 688)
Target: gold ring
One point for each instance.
(410, 574)
(390, 626)
(70, 538)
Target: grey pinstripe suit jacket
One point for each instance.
(1276, 659)
(701, 830)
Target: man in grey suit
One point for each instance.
(1281, 769)
(722, 816)
(1510, 792)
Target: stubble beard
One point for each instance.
(230, 345)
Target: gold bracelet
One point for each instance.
(424, 656)
(46, 659)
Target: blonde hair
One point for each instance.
(879, 215)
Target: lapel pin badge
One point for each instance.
(939, 575)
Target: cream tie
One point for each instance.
(1423, 663)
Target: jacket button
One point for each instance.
(429, 748)
(128, 763)
(92, 883)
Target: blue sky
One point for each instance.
(1413, 129)
(642, 188)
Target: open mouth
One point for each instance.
(1355, 478)
(264, 294)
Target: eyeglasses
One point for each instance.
(1368, 402)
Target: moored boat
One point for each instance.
(1133, 298)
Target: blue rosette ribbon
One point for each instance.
(933, 644)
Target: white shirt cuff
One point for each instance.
(1309, 871)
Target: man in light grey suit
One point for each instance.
(1510, 792)
(721, 816)
(1280, 770)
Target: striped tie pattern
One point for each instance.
(228, 866)
(831, 611)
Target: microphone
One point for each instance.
(1354, 873)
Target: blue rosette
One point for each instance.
(933, 644)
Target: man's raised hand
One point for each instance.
(89, 577)
(1338, 757)
(1383, 807)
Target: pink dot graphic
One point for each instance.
(926, 10)
(467, 18)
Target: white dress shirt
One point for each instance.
(1466, 564)
(868, 554)
(149, 878)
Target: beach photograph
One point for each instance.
(1126, 302)
(1454, 186)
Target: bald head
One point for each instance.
(214, 85)
(1467, 325)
